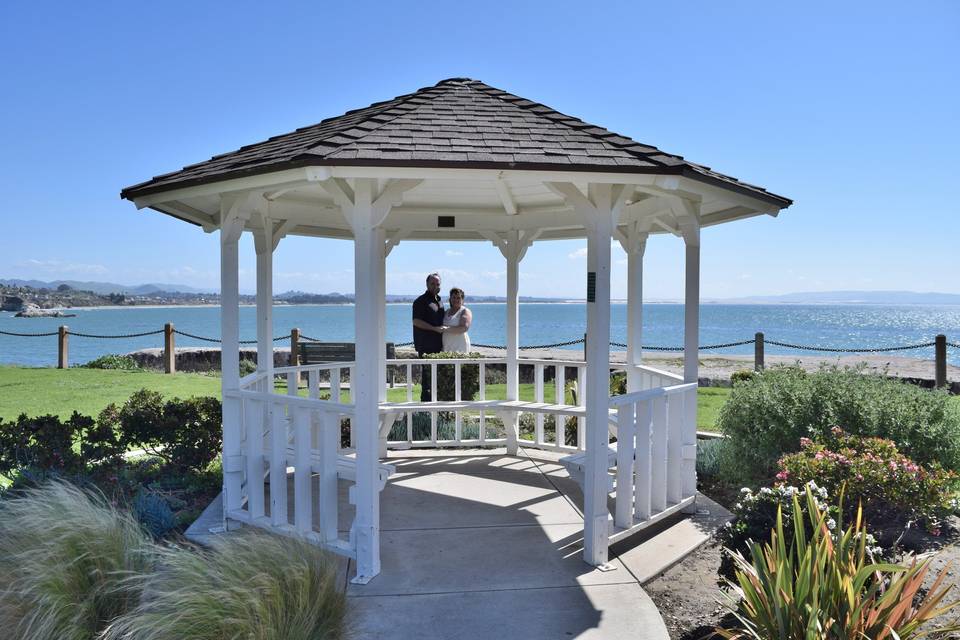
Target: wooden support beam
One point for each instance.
(169, 349)
(503, 190)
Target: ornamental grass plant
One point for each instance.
(66, 561)
(254, 586)
(826, 586)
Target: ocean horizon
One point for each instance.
(541, 323)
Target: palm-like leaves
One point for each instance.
(825, 586)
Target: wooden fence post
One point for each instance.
(294, 347)
(63, 360)
(758, 352)
(169, 349)
(940, 361)
(584, 347)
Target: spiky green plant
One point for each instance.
(66, 556)
(254, 586)
(826, 587)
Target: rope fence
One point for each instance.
(940, 345)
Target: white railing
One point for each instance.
(283, 431)
(550, 425)
(656, 455)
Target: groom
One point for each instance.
(428, 328)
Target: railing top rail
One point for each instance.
(660, 372)
(399, 361)
(295, 401)
(320, 366)
(649, 394)
(252, 378)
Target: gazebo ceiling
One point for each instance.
(483, 156)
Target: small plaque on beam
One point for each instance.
(591, 286)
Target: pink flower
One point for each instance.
(805, 442)
(783, 475)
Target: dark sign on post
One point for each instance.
(591, 286)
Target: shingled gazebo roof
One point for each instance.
(457, 123)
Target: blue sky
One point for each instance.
(852, 109)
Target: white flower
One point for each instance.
(831, 524)
(746, 490)
(766, 491)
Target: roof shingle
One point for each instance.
(457, 122)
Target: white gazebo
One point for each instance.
(456, 161)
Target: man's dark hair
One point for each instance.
(433, 275)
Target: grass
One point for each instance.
(42, 391)
(65, 559)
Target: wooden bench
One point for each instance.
(324, 352)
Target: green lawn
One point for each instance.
(88, 391)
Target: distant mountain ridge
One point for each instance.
(849, 297)
(104, 288)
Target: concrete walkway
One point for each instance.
(477, 545)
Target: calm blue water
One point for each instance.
(819, 325)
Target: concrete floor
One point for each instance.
(478, 544)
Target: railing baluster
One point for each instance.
(689, 486)
(675, 417)
(483, 396)
(433, 398)
(458, 419)
(581, 395)
(538, 397)
(302, 499)
(641, 467)
(329, 446)
(313, 392)
(658, 475)
(560, 421)
(255, 417)
(278, 466)
(293, 381)
(335, 384)
(409, 383)
(623, 510)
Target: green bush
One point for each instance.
(742, 375)
(765, 418)
(826, 585)
(51, 444)
(446, 376)
(254, 586)
(112, 361)
(891, 487)
(247, 367)
(66, 559)
(186, 433)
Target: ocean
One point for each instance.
(845, 326)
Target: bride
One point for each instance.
(456, 323)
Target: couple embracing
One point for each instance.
(437, 329)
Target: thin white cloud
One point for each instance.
(579, 253)
(453, 254)
(58, 267)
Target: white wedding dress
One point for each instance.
(456, 342)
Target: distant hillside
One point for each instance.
(104, 288)
(850, 297)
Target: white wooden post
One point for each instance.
(381, 279)
(600, 209)
(365, 211)
(263, 243)
(512, 254)
(691, 300)
(635, 247)
(233, 218)
(690, 226)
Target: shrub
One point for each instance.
(253, 585)
(742, 375)
(113, 361)
(154, 513)
(765, 417)
(755, 516)
(66, 558)
(891, 487)
(186, 433)
(825, 585)
(43, 442)
(446, 376)
(247, 367)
